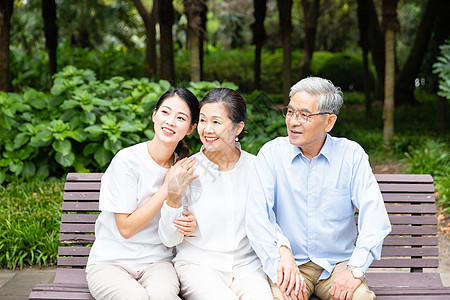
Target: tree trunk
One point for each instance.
(363, 25)
(404, 84)
(285, 8)
(6, 11)
(390, 23)
(259, 36)
(194, 10)
(311, 10)
(441, 34)
(166, 20)
(51, 34)
(149, 20)
(376, 44)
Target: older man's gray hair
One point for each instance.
(329, 97)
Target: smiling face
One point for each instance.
(216, 130)
(309, 136)
(172, 120)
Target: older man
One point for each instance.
(302, 200)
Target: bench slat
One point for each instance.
(72, 261)
(81, 196)
(79, 218)
(382, 280)
(79, 206)
(406, 208)
(84, 176)
(77, 228)
(391, 251)
(84, 186)
(70, 276)
(408, 198)
(418, 220)
(413, 178)
(405, 263)
(413, 230)
(408, 188)
(413, 241)
(76, 238)
(75, 251)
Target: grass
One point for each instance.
(30, 215)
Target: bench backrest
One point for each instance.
(409, 200)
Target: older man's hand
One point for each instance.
(344, 285)
(290, 280)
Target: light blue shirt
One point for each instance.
(313, 203)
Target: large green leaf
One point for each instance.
(29, 169)
(64, 147)
(65, 160)
(103, 156)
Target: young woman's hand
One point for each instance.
(186, 224)
(178, 178)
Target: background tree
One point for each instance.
(259, 35)
(194, 10)
(149, 19)
(404, 83)
(311, 10)
(51, 34)
(285, 8)
(391, 25)
(6, 11)
(166, 20)
(363, 25)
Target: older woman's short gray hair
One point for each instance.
(329, 97)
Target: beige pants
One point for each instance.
(157, 281)
(203, 283)
(311, 273)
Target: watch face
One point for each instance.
(357, 273)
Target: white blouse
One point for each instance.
(218, 200)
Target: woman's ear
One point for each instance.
(191, 129)
(238, 128)
(153, 115)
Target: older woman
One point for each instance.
(216, 261)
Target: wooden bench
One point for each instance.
(411, 247)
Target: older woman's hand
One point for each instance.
(186, 224)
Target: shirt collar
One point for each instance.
(326, 151)
(212, 165)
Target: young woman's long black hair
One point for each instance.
(182, 148)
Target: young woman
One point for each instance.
(216, 261)
(128, 260)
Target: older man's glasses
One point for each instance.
(288, 112)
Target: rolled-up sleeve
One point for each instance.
(168, 233)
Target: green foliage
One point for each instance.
(442, 68)
(29, 223)
(80, 125)
(433, 157)
(344, 70)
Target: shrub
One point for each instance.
(80, 125)
(344, 70)
(433, 157)
(442, 68)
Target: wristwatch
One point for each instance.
(357, 272)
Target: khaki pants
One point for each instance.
(311, 273)
(157, 281)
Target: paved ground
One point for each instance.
(17, 284)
